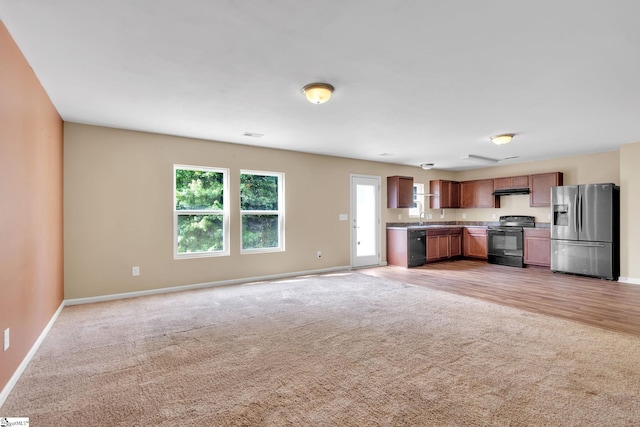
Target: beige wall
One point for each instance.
(31, 284)
(629, 208)
(118, 210)
(118, 207)
(587, 169)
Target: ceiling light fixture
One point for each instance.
(318, 93)
(502, 139)
(427, 166)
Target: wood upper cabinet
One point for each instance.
(446, 194)
(467, 194)
(475, 242)
(484, 194)
(511, 182)
(540, 185)
(537, 246)
(478, 194)
(399, 192)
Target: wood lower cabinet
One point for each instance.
(406, 247)
(540, 186)
(475, 242)
(537, 246)
(437, 245)
(443, 243)
(455, 244)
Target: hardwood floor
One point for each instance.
(601, 303)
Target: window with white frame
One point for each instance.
(200, 211)
(418, 200)
(262, 211)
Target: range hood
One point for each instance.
(511, 191)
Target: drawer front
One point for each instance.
(537, 232)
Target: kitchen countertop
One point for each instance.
(439, 224)
(452, 224)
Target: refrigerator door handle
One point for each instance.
(581, 243)
(580, 213)
(575, 215)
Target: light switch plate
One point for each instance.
(6, 339)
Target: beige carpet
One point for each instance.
(337, 350)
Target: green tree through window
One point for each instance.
(201, 211)
(261, 209)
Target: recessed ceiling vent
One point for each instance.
(253, 134)
(486, 160)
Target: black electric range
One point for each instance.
(506, 240)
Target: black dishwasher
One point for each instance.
(417, 247)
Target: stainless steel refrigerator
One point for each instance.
(585, 229)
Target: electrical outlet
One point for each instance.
(7, 339)
(464, 216)
(135, 271)
(493, 216)
(429, 216)
(399, 217)
(319, 254)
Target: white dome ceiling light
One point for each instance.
(502, 139)
(318, 93)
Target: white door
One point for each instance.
(365, 220)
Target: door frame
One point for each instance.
(352, 225)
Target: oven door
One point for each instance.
(505, 246)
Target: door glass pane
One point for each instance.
(366, 220)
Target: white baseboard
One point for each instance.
(16, 375)
(630, 280)
(111, 297)
(380, 264)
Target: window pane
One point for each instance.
(199, 190)
(200, 233)
(258, 192)
(259, 231)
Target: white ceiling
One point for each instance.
(416, 81)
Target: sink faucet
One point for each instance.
(421, 215)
